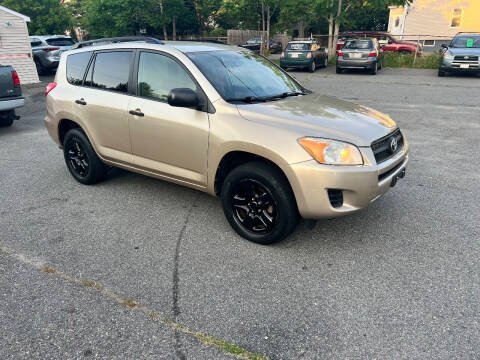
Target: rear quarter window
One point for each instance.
(76, 66)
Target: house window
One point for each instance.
(429, 43)
(456, 18)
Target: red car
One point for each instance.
(387, 41)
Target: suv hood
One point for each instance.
(322, 116)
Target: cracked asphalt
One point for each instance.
(399, 280)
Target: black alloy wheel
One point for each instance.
(258, 202)
(81, 159)
(254, 207)
(312, 67)
(77, 158)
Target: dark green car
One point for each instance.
(306, 54)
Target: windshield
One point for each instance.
(358, 44)
(466, 41)
(298, 46)
(238, 74)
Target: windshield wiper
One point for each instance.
(251, 99)
(284, 95)
(247, 99)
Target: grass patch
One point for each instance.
(129, 303)
(426, 61)
(48, 270)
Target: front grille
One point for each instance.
(335, 197)
(466, 59)
(382, 148)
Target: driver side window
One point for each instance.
(159, 74)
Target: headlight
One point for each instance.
(447, 56)
(331, 152)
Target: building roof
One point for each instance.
(25, 18)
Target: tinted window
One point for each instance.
(35, 42)
(358, 44)
(466, 41)
(238, 74)
(60, 42)
(76, 66)
(158, 74)
(111, 70)
(298, 46)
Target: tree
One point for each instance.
(47, 16)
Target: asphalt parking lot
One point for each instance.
(138, 268)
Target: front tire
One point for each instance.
(441, 73)
(259, 203)
(81, 159)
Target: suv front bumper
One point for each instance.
(359, 185)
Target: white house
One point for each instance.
(15, 49)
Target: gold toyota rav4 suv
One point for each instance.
(225, 121)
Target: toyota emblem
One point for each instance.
(466, 57)
(393, 145)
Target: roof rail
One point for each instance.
(114, 40)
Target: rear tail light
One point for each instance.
(48, 49)
(372, 54)
(309, 55)
(340, 53)
(50, 87)
(15, 78)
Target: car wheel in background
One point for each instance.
(6, 118)
(40, 68)
(374, 69)
(441, 73)
(259, 203)
(312, 67)
(338, 70)
(81, 159)
(325, 62)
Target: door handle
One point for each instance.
(81, 102)
(136, 112)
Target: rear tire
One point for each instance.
(338, 70)
(312, 67)
(81, 159)
(259, 203)
(373, 71)
(6, 118)
(40, 68)
(325, 62)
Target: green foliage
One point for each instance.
(426, 61)
(47, 16)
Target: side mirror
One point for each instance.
(183, 97)
(444, 46)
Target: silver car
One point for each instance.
(362, 53)
(47, 50)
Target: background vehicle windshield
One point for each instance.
(298, 46)
(60, 42)
(358, 44)
(238, 74)
(466, 41)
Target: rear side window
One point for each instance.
(112, 70)
(60, 42)
(76, 66)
